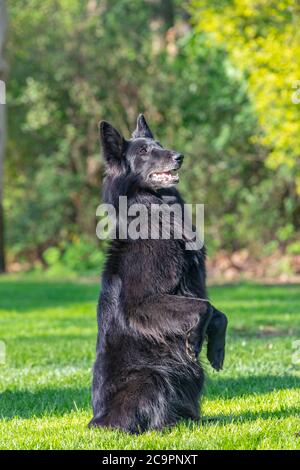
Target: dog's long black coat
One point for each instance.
(151, 319)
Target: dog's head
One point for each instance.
(142, 155)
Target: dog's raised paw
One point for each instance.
(216, 335)
(216, 358)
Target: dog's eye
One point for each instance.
(143, 150)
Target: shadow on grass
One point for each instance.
(228, 388)
(27, 295)
(250, 416)
(44, 402)
(60, 401)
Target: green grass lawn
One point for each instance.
(49, 329)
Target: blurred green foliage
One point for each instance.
(73, 63)
(79, 256)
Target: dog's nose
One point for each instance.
(178, 157)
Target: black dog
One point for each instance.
(153, 313)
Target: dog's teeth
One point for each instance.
(165, 177)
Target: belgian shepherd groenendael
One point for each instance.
(153, 313)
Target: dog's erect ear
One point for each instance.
(142, 128)
(112, 143)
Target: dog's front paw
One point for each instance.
(216, 334)
(216, 356)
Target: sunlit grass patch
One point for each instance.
(49, 329)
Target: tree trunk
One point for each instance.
(3, 27)
(167, 12)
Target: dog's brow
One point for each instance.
(155, 144)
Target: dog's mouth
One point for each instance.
(165, 177)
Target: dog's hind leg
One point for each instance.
(141, 405)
